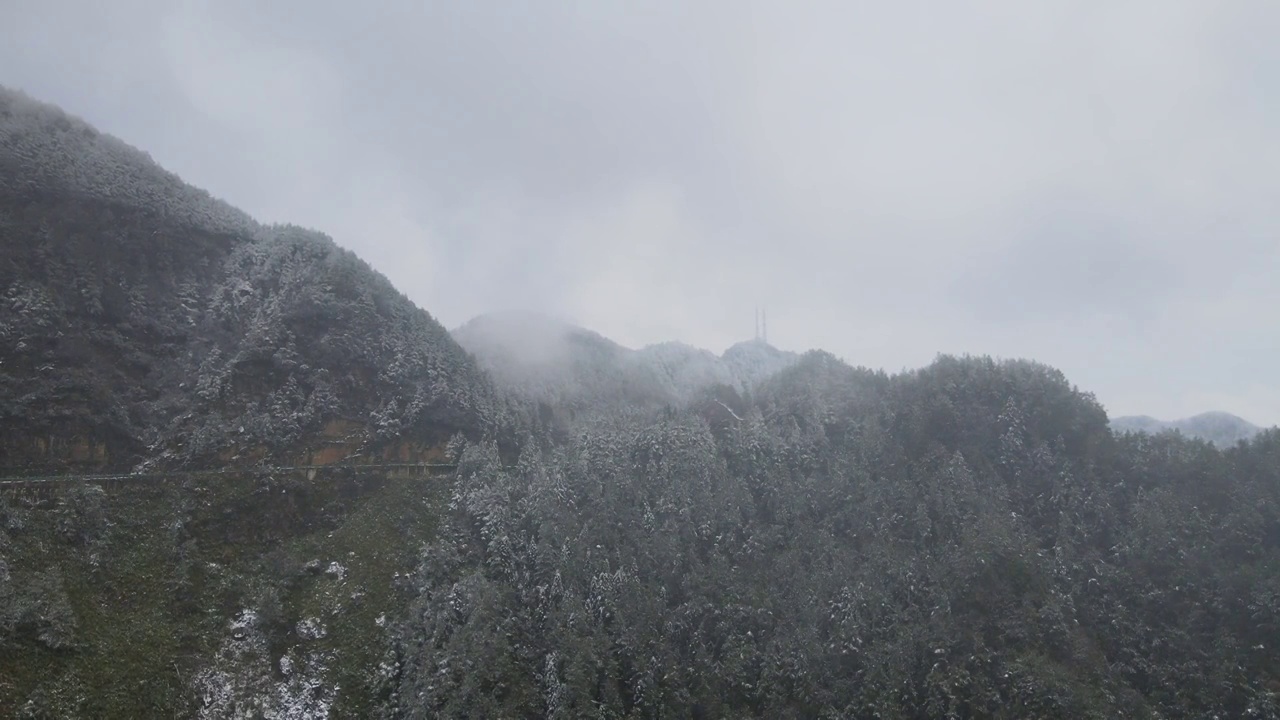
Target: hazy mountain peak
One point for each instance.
(507, 321)
(1217, 427)
(552, 360)
(516, 337)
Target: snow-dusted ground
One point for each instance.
(242, 683)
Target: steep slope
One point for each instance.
(1220, 428)
(142, 321)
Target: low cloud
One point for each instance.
(1086, 184)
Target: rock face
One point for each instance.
(144, 322)
(1220, 428)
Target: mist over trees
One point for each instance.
(558, 365)
(652, 533)
(968, 540)
(1221, 429)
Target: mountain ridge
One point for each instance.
(146, 323)
(1220, 428)
(555, 362)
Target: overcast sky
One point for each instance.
(1089, 184)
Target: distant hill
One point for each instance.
(143, 321)
(557, 364)
(1219, 428)
(686, 370)
(562, 365)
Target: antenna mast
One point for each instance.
(764, 325)
(757, 322)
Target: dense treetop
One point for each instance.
(967, 540)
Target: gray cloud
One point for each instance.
(1089, 184)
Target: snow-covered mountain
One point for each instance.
(142, 321)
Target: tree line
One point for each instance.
(967, 540)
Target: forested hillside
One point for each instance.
(145, 322)
(968, 540)
(653, 533)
